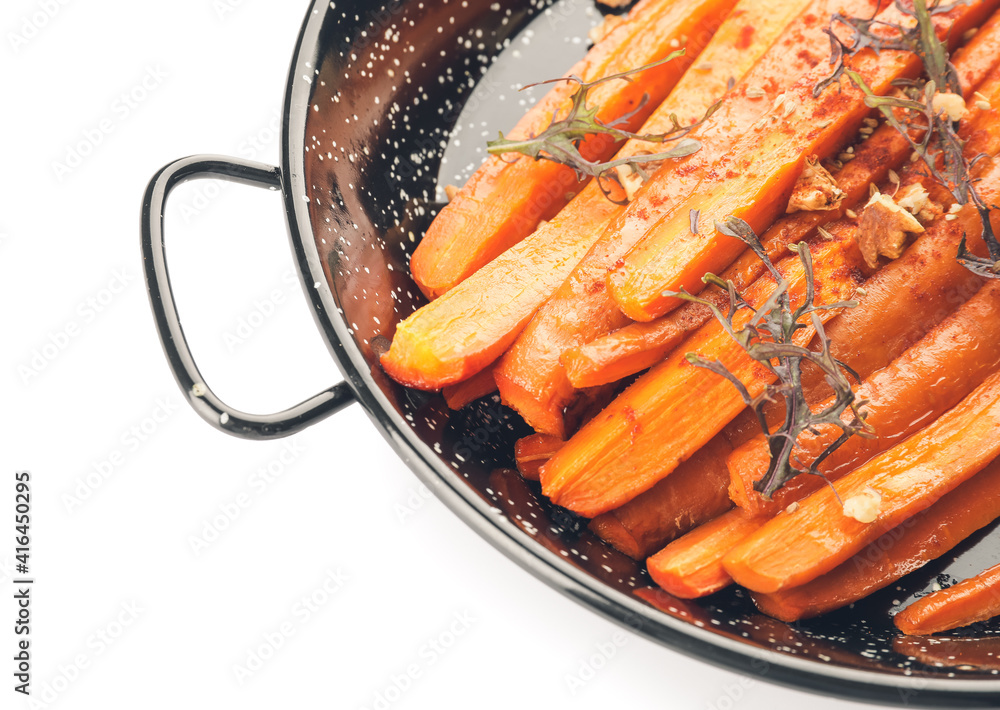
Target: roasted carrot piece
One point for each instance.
(448, 340)
(531, 451)
(530, 376)
(928, 535)
(754, 184)
(914, 389)
(675, 408)
(693, 494)
(691, 566)
(479, 385)
(910, 477)
(509, 195)
(971, 600)
(582, 311)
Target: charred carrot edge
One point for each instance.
(458, 395)
(531, 451)
(971, 600)
(914, 389)
(691, 566)
(507, 197)
(662, 418)
(693, 494)
(530, 376)
(638, 346)
(455, 336)
(910, 477)
(755, 183)
(927, 536)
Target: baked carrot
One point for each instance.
(530, 376)
(971, 600)
(914, 389)
(755, 183)
(510, 194)
(535, 383)
(910, 477)
(458, 395)
(691, 566)
(907, 547)
(474, 323)
(531, 451)
(675, 408)
(637, 346)
(693, 494)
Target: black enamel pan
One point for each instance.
(371, 100)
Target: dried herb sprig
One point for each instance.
(767, 337)
(560, 141)
(915, 114)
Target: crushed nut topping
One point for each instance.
(865, 506)
(883, 228)
(952, 105)
(815, 190)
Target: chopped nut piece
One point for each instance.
(607, 26)
(952, 105)
(816, 189)
(865, 506)
(450, 191)
(630, 180)
(883, 229)
(913, 198)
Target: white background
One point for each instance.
(127, 610)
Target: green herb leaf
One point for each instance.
(560, 141)
(767, 338)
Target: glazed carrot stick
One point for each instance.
(907, 547)
(474, 323)
(640, 345)
(790, 550)
(675, 408)
(530, 452)
(754, 185)
(916, 388)
(693, 494)
(479, 385)
(971, 600)
(508, 196)
(530, 376)
(691, 566)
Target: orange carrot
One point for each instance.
(530, 452)
(675, 408)
(907, 547)
(530, 376)
(916, 388)
(693, 494)
(691, 566)
(471, 325)
(755, 183)
(794, 549)
(510, 194)
(478, 386)
(971, 600)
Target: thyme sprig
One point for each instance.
(767, 337)
(931, 132)
(560, 141)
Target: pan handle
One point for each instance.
(201, 398)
